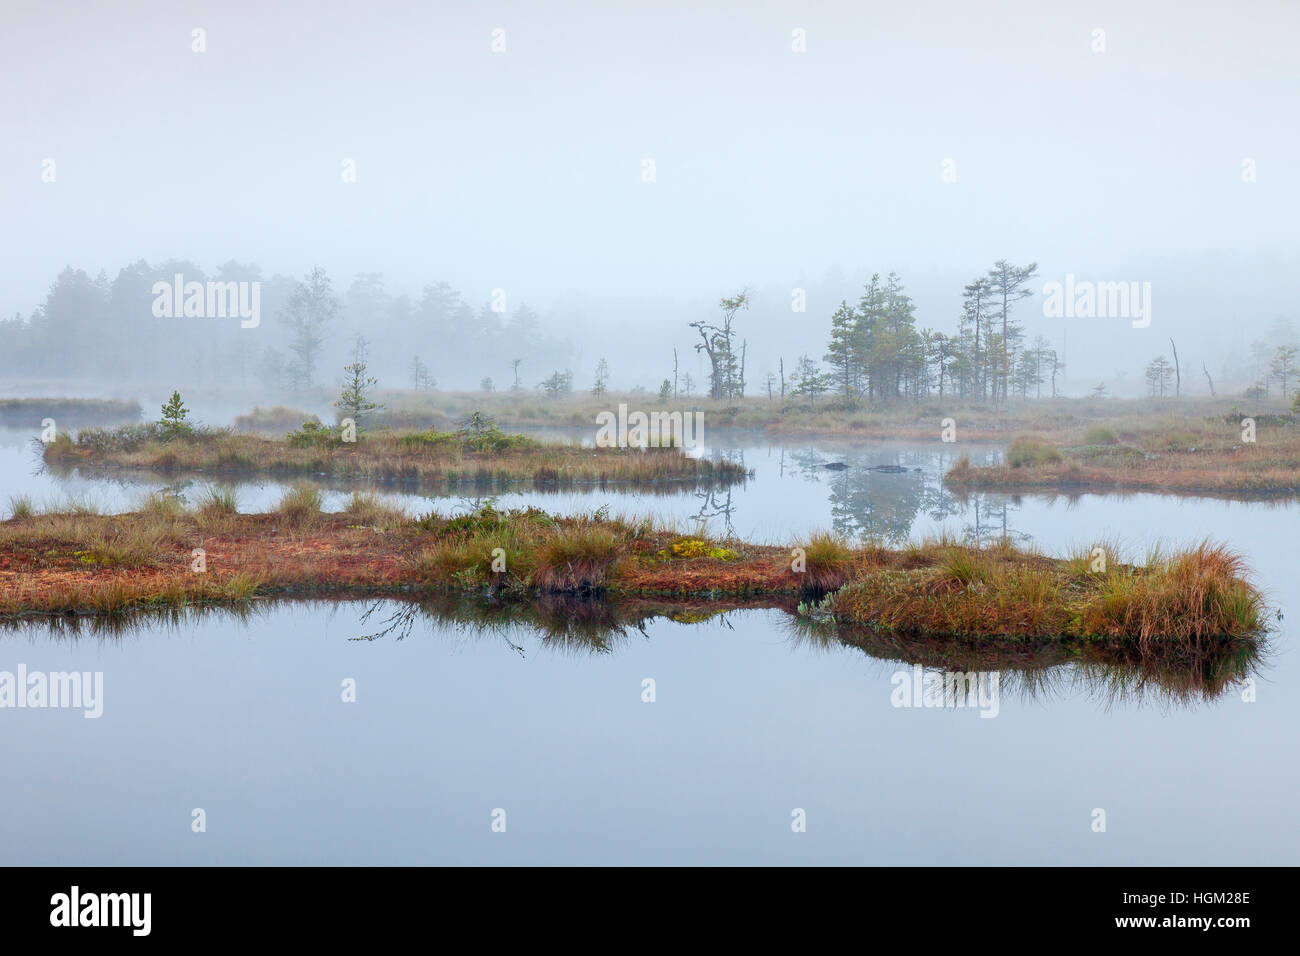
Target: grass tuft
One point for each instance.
(300, 506)
(829, 559)
(20, 507)
(1031, 451)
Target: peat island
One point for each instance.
(169, 555)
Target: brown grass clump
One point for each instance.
(367, 508)
(300, 506)
(216, 509)
(580, 559)
(829, 562)
(1031, 451)
(1199, 593)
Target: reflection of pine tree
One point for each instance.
(717, 502)
(868, 505)
(991, 521)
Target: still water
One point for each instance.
(453, 722)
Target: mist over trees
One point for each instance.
(101, 329)
(987, 346)
(877, 354)
(876, 351)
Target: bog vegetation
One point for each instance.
(82, 561)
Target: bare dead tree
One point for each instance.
(1213, 393)
(1178, 373)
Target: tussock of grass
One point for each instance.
(20, 507)
(80, 505)
(1199, 593)
(216, 509)
(1031, 451)
(367, 508)
(162, 504)
(218, 501)
(300, 505)
(576, 560)
(452, 558)
(829, 560)
(963, 566)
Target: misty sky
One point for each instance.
(522, 170)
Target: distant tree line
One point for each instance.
(100, 327)
(877, 354)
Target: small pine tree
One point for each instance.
(486, 385)
(478, 424)
(811, 380)
(559, 384)
(602, 378)
(354, 401)
(479, 432)
(174, 415)
(665, 391)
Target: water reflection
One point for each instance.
(1109, 672)
(863, 490)
(478, 482)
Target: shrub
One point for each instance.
(1031, 451)
(316, 435)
